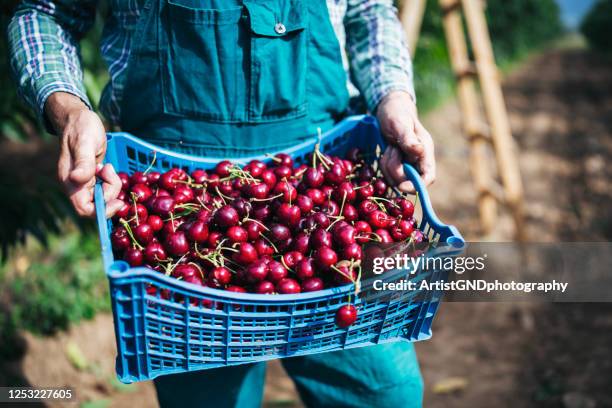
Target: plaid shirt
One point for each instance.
(44, 51)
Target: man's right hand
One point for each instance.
(83, 145)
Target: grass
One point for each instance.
(47, 289)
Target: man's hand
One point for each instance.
(83, 145)
(408, 140)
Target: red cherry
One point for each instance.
(198, 232)
(313, 177)
(133, 256)
(220, 276)
(378, 219)
(291, 258)
(223, 168)
(214, 238)
(168, 180)
(352, 251)
(288, 286)
(186, 271)
(350, 213)
(263, 247)
(383, 235)
(288, 214)
(123, 212)
(283, 159)
(141, 193)
(138, 177)
(183, 194)
(277, 271)
(143, 233)
(261, 212)
(237, 234)
(331, 208)
(304, 203)
(289, 193)
(345, 189)
(346, 316)
(265, 288)
(199, 176)
(163, 205)
(345, 276)
(316, 196)
(236, 289)
(269, 178)
(321, 219)
(259, 191)
(246, 253)
(304, 269)
(301, 242)
(257, 271)
(366, 207)
(154, 252)
(345, 236)
(325, 257)
(226, 216)
(312, 284)
(380, 187)
(155, 222)
(364, 231)
(120, 239)
(320, 238)
(336, 174)
(176, 243)
(140, 210)
(279, 233)
(125, 180)
(365, 190)
(283, 172)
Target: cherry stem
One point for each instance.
(285, 265)
(223, 196)
(135, 208)
(267, 199)
(256, 222)
(152, 163)
(269, 242)
(131, 234)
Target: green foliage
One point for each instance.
(597, 26)
(65, 284)
(516, 28)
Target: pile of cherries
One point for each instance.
(262, 228)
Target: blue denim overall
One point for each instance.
(244, 77)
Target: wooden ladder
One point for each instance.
(482, 137)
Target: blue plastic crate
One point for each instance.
(214, 328)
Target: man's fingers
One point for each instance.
(112, 207)
(428, 163)
(111, 182)
(84, 161)
(82, 201)
(403, 133)
(63, 165)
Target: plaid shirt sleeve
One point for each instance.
(379, 58)
(44, 51)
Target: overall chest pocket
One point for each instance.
(243, 63)
(279, 59)
(203, 61)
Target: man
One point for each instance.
(238, 77)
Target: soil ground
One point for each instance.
(481, 354)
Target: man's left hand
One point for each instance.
(408, 141)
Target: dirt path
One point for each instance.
(560, 106)
(506, 354)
